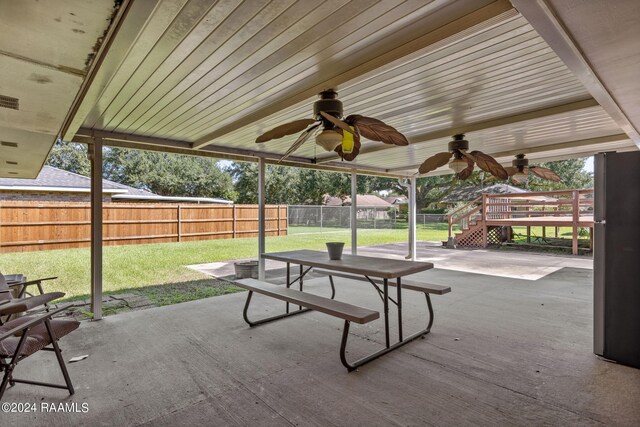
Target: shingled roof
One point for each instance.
(52, 179)
(363, 200)
(467, 194)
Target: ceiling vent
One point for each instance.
(9, 144)
(9, 162)
(9, 102)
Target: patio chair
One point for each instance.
(25, 336)
(14, 306)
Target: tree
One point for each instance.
(571, 172)
(168, 174)
(71, 157)
(161, 173)
(279, 183)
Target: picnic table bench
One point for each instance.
(377, 271)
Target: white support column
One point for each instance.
(354, 213)
(412, 219)
(261, 217)
(95, 155)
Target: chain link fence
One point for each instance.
(322, 219)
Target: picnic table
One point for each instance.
(379, 272)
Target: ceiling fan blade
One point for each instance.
(467, 156)
(285, 129)
(377, 130)
(434, 162)
(337, 122)
(489, 164)
(354, 153)
(304, 136)
(466, 172)
(511, 170)
(544, 173)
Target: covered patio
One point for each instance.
(503, 351)
(206, 78)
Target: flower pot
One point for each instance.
(246, 269)
(335, 250)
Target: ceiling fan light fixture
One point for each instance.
(329, 139)
(458, 165)
(348, 142)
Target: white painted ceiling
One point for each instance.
(211, 76)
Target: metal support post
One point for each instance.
(354, 213)
(95, 156)
(261, 217)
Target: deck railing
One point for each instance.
(574, 206)
(559, 203)
(463, 216)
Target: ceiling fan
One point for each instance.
(463, 162)
(520, 169)
(333, 133)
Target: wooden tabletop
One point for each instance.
(356, 264)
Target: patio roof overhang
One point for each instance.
(45, 49)
(205, 79)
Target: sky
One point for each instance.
(588, 166)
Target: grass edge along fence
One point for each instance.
(34, 226)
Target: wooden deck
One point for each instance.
(478, 221)
(502, 351)
(543, 221)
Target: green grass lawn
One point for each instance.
(144, 266)
(520, 233)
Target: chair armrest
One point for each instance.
(22, 286)
(31, 282)
(20, 305)
(24, 326)
(13, 307)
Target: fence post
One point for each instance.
(233, 218)
(278, 219)
(179, 222)
(320, 218)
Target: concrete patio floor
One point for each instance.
(503, 351)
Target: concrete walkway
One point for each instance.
(501, 263)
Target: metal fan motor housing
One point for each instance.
(520, 162)
(458, 143)
(328, 103)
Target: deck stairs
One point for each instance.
(471, 226)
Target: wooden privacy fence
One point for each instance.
(34, 226)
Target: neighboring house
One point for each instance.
(364, 201)
(396, 200)
(370, 207)
(57, 185)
